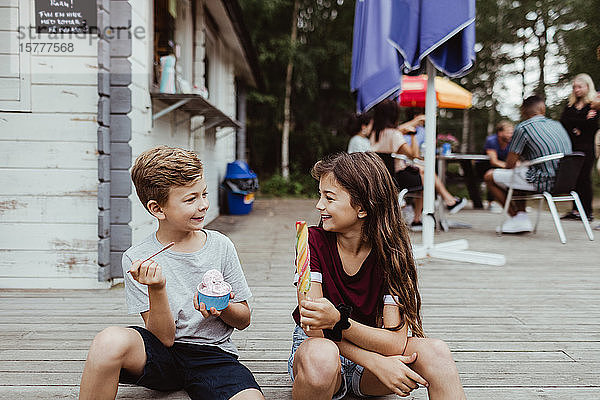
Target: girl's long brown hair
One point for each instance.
(367, 180)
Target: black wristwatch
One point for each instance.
(335, 334)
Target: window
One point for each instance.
(165, 13)
(15, 60)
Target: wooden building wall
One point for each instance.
(48, 159)
(215, 147)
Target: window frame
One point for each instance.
(25, 14)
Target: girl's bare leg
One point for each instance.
(434, 363)
(447, 197)
(317, 370)
(112, 349)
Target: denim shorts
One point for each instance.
(204, 372)
(351, 372)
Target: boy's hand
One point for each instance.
(148, 273)
(213, 311)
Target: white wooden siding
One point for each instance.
(15, 74)
(48, 155)
(48, 169)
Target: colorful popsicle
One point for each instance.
(302, 257)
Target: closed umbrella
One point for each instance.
(376, 65)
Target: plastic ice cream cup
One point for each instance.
(213, 291)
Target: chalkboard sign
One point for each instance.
(66, 16)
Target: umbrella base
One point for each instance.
(456, 250)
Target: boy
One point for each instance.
(183, 345)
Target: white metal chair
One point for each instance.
(566, 177)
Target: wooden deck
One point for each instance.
(527, 330)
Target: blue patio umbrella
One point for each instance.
(443, 31)
(376, 66)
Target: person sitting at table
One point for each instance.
(359, 127)
(388, 137)
(496, 148)
(536, 136)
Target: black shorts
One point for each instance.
(408, 178)
(204, 372)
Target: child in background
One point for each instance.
(359, 127)
(183, 345)
(359, 326)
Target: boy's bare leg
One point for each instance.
(434, 363)
(112, 349)
(317, 370)
(249, 394)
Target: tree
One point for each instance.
(580, 41)
(285, 142)
(320, 97)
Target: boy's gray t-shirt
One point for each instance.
(183, 272)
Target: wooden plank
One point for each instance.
(77, 155)
(81, 183)
(53, 209)
(282, 379)
(10, 89)
(8, 16)
(9, 66)
(76, 237)
(64, 99)
(9, 3)
(128, 392)
(53, 263)
(56, 69)
(9, 44)
(36, 127)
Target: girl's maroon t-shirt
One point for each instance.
(362, 291)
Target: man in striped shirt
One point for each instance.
(536, 136)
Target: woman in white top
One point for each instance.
(359, 126)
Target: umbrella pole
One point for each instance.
(429, 181)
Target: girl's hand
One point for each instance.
(318, 314)
(396, 376)
(576, 131)
(212, 311)
(148, 273)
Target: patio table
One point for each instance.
(442, 161)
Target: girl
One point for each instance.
(359, 128)
(354, 326)
(581, 122)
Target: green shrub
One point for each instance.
(297, 186)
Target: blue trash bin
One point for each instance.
(240, 184)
